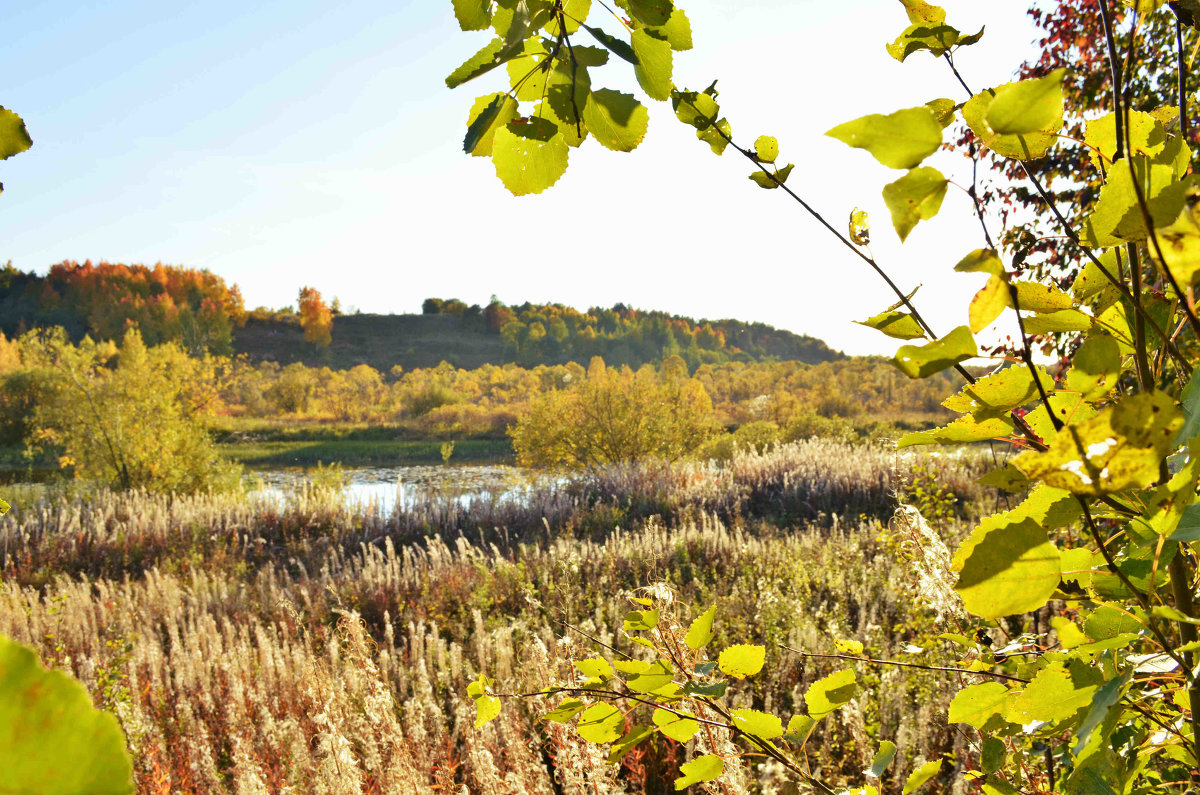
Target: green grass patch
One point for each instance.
(353, 452)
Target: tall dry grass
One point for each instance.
(306, 645)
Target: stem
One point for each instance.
(900, 664)
(1027, 357)
(1114, 63)
(1181, 588)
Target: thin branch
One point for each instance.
(900, 664)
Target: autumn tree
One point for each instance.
(315, 318)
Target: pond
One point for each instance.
(389, 487)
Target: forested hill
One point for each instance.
(198, 310)
(526, 334)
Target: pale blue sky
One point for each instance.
(280, 144)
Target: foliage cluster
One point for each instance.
(1105, 697)
(316, 318)
(194, 308)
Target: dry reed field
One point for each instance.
(308, 645)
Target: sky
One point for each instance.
(310, 143)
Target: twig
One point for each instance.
(900, 664)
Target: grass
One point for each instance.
(305, 645)
(354, 452)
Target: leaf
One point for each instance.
(640, 620)
(982, 260)
(1006, 569)
(1028, 106)
(962, 430)
(1096, 367)
(1118, 449)
(654, 64)
(1038, 297)
(996, 394)
(628, 742)
(618, 121)
(920, 361)
(761, 724)
(52, 740)
(742, 660)
(678, 728)
(1057, 322)
(920, 11)
(529, 155)
(701, 630)
(525, 72)
(714, 690)
(900, 325)
(988, 303)
(943, 110)
(651, 12)
(883, 758)
(848, 646)
(936, 38)
(574, 13)
(567, 709)
(1118, 218)
(979, 705)
(601, 723)
(677, 31)
(1054, 695)
(595, 668)
(921, 776)
(492, 54)
(614, 45)
(473, 14)
(991, 756)
(766, 148)
(487, 706)
(14, 138)
(1190, 400)
(1026, 146)
(899, 140)
(488, 114)
(656, 675)
(827, 694)
(860, 230)
(1146, 136)
(915, 197)
(704, 768)
(798, 729)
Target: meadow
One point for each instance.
(307, 644)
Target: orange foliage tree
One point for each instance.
(315, 317)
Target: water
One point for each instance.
(389, 487)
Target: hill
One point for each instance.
(528, 334)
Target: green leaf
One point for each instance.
(798, 729)
(529, 155)
(656, 675)
(614, 45)
(14, 138)
(714, 690)
(921, 776)
(899, 140)
(1038, 297)
(525, 72)
(1026, 146)
(1190, 400)
(1054, 695)
(996, 394)
(915, 197)
(1118, 449)
(860, 230)
(742, 660)
(601, 723)
(1006, 478)
(988, 303)
(618, 121)
(900, 325)
(1118, 217)
(1146, 136)
(677, 31)
(962, 430)
(678, 728)
(651, 12)
(487, 706)
(1096, 367)
(493, 54)
(936, 38)
(488, 114)
(595, 668)
(883, 758)
(701, 630)
(574, 13)
(640, 620)
(943, 110)
(982, 260)
(920, 11)
(52, 740)
(992, 755)
(766, 148)
(567, 709)
(980, 705)
(704, 768)
(1006, 569)
(473, 14)
(826, 695)
(628, 742)
(1057, 322)
(1028, 106)
(920, 361)
(761, 724)
(654, 64)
